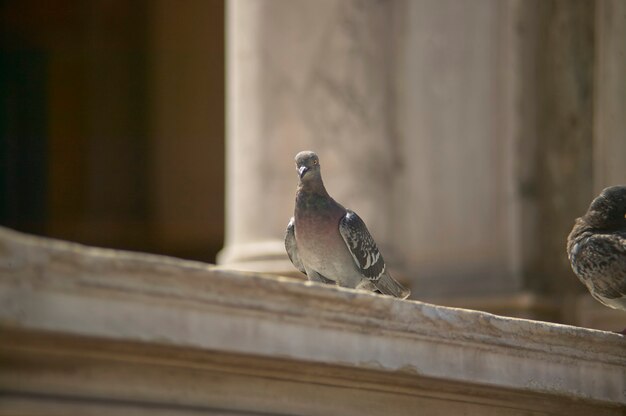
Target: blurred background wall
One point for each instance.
(468, 135)
(112, 123)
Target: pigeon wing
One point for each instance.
(291, 247)
(603, 256)
(362, 247)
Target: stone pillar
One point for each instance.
(457, 80)
(461, 133)
(416, 132)
(306, 75)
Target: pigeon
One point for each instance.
(331, 244)
(596, 247)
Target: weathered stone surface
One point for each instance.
(90, 327)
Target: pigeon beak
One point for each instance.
(302, 170)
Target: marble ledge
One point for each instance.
(49, 286)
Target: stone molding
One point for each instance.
(56, 289)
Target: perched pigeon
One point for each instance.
(597, 247)
(330, 243)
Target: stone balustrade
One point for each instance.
(93, 331)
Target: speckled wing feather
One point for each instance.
(291, 247)
(362, 246)
(601, 258)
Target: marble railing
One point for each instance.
(95, 331)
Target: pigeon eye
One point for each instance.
(315, 162)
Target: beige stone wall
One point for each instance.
(610, 95)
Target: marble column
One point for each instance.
(461, 133)
(457, 79)
(415, 129)
(399, 108)
(306, 75)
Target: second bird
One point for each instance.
(597, 247)
(330, 243)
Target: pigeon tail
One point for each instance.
(387, 285)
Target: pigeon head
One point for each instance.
(608, 210)
(307, 165)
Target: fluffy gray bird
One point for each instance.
(330, 243)
(597, 247)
